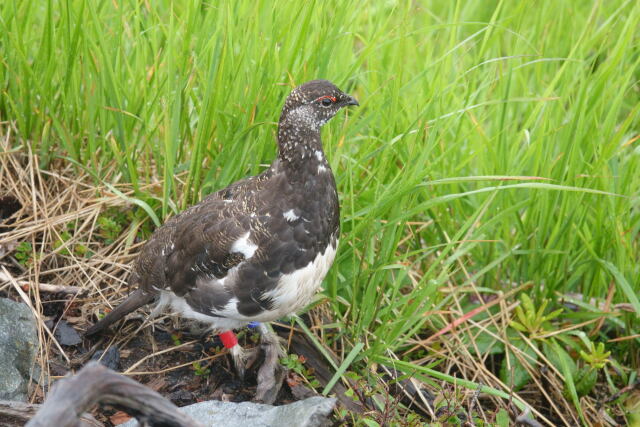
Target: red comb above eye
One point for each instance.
(332, 98)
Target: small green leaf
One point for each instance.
(553, 314)
(568, 369)
(369, 422)
(23, 253)
(502, 418)
(482, 343)
(520, 376)
(585, 381)
(518, 326)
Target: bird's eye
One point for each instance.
(326, 100)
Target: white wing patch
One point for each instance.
(178, 305)
(244, 246)
(290, 215)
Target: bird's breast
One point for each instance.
(294, 291)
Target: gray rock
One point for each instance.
(66, 335)
(18, 347)
(110, 359)
(311, 412)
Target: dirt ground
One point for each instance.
(182, 365)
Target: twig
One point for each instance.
(149, 356)
(173, 368)
(44, 287)
(616, 396)
(523, 419)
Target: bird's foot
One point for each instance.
(242, 359)
(271, 373)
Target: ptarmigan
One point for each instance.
(257, 250)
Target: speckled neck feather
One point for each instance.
(299, 148)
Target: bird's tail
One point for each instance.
(134, 301)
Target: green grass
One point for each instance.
(461, 103)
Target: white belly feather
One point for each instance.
(295, 290)
(292, 293)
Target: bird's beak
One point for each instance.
(350, 100)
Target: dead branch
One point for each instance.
(93, 384)
(44, 287)
(13, 413)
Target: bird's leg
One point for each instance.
(239, 355)
(271, 373)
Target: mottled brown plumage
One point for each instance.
(232, 258)
(256, 250)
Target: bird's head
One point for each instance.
(312, 104)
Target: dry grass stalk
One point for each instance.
(61, 199)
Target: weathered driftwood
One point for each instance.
(94, 383)
(16, 414)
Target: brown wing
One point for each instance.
(197, 242)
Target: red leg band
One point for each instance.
(228, 339)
